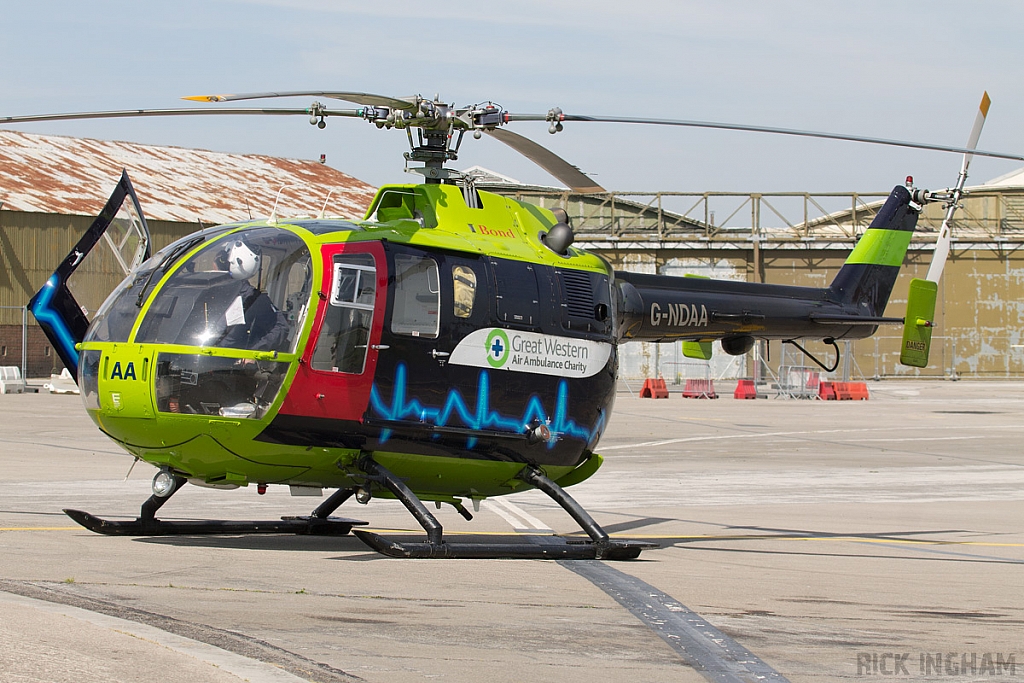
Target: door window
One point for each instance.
(417, 296)
(464, 288)
(345, 333)
(517, 298)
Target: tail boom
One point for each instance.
(663, 308)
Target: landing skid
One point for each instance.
(599, 547)
(567, 550)
(319, 523)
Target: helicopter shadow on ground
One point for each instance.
(635, 524)
(289, 542)
(354, 549)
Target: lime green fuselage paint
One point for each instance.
(222, 448)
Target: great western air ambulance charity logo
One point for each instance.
(497, 348)
(539, 354)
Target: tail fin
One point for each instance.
(867, 277)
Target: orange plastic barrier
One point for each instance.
(745, 389)
(654, 388)
(851, 391)
(826, 391)
(699, 388)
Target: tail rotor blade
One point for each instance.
(979, 123)
(944, 240)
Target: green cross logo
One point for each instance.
(497, 348)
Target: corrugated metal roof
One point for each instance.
(1011, 179)
(64, 175)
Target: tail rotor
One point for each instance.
(919, 321)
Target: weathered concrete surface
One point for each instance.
(821, 536)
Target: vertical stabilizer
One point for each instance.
(867, 278)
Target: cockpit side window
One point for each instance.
(115, 319)
(248, 290)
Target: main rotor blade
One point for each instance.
(363, 98)
(571, 176)
(768, 129)
(138, 113)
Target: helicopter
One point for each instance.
(450, 345)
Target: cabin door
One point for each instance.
(336, 372)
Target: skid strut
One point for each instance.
(318, 523)
(600, 546)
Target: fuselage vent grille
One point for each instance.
(579, 293)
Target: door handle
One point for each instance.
(379, 347)
(439, 354)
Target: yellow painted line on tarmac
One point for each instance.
(845, 539)
(913, 541)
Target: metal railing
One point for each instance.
(987, 215)
(952, 357)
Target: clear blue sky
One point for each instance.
(888, 69)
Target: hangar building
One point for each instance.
(52, 187)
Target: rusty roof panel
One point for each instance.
(64, 175)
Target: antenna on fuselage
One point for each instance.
(273, 214)
(323, 211)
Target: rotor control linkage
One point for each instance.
(599, 547)
(320, 523)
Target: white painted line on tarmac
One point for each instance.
(519, 520)
(919, 438)
(517, 524)
(747, 435)
(245, 668)
(812, 432)
(523, 514)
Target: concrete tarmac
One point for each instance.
(830, 540)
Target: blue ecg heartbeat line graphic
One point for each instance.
(482, 417)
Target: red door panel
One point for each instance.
(336, 394)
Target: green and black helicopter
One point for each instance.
(449, 346)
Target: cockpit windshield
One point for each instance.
(116, 317)
(247, 290)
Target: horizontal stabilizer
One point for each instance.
(917, 330)
(854, 320)
(698, 350)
